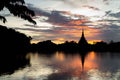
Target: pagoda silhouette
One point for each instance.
(82, 40)
(83, 44)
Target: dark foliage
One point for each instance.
(100, 46)
(68, 47)
(46, 46)
(17, 8)
(13, 49)
(106, 47)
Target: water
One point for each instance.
(61, 66)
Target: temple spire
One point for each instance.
(82, 31)
(82, 40)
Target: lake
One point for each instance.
(62, 66)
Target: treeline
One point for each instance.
(49, 46)
(110, 47)
(13, 49)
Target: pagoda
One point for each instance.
(82, 40)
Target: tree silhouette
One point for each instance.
(17, 8)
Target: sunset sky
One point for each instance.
(62, 20)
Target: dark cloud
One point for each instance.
(106, 2)
(111, 27)
(37, 26)
(57, 18)
(49, 34)
(91, 7)
(54, 17)
(61, 18)
(38, 11)
(107, 22)
(116, 15)
(107, 13)
(110, 32)
(37, 30)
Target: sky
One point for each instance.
(62, 20)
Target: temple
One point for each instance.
(82, 40)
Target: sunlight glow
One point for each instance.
(59, 40)
(89, 61)
(93, 41)
(74, 64)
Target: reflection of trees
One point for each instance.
(17, 8)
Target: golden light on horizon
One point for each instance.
(74, 34)
(59, 40)
(34, 41)
(93, 41)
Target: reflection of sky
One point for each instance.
(66, 67)
(61, 20)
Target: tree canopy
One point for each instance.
(17, 8)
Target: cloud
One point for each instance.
(106, 2)
(102, 22)
(60, 18)
(67, 26)
(110, 32)
(91, 7)
(38, 11)
(116, 15)
(107, 13)
(74, 3)
(60, 34)
(110, 18)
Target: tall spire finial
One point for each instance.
(82, 31)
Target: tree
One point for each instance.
(17, 8)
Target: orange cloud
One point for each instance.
(77, 22)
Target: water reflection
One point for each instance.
(61, 66)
